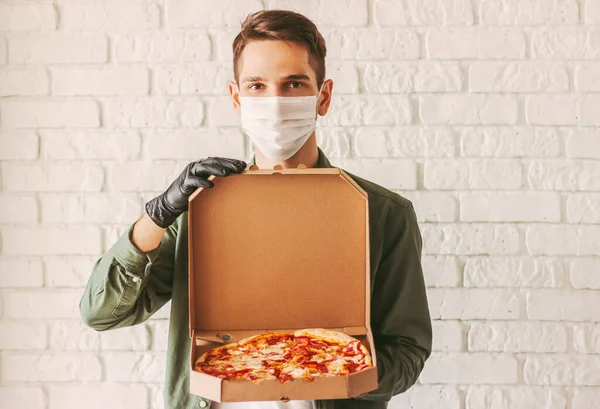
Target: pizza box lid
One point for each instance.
(279, 249)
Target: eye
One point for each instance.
(255, 87)
(296, 85)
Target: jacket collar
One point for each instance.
(322, 161)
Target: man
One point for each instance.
(279, 88)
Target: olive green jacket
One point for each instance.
(127, 286)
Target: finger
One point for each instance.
(207, 169)
(234, 165)
(194, 182)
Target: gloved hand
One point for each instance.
(164, 209)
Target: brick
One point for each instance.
(372, 44)
(440, 271)
(583, 144)
(111, 233)
(471, 43)
(517, 77)
(346, 110)
(143, 176)
(591, 12)
(54, 48)
(27, 396)
(110, 15)
(470, 239)
(50, 367)
(325, 13)
(52, 241)
(473, 174)
(528, 12)
(556, 305)
(27, 213)
(345, 77)
(90, 144)
(163, 46)
(419, 13)
(510, 207)
(391, 174)
(385, 110)
(517, 337)
(468, 109)
(21, 272)
(96, 208)
(434, 206)
(136, 338)
(155, 112)
(510, 142)
(585, 273)
(105, 81)
(194, 144)
(70, 335)
(470, 369)
(221, 113)
(157, 393)
(563, 175)
(404, 142)
(3, 51)
(335, 142)
(565, 43)
(52, 177)
(583, 208)
(585, 398)
(563, 240)
(222, 41)
(560, 110)
(517, 397)
(519, 272)
(204, 13)
(49, 114)
(475, 304)
(410, 77)
(134, 366)
(202, 79)
(18, 145)
(587, 77)
(586, 338)
(562, 370)
(448, 336)
(22, 336)
(23, 82)
(41, 303)
(97, 396)
(160, 334)
(71, 271)
(368, 110)
(428, 396)
(32, 17)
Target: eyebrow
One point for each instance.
(293, 77)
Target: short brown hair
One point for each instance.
(282, 25)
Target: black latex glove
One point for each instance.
(164, 209)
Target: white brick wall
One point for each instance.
(484, 113)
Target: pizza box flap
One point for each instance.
(279, 249)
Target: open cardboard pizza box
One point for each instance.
(273, 250)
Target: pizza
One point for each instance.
(303, 354)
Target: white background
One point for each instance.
(484, 113)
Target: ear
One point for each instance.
(234, 92)
(325, 98)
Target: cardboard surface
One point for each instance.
(274, 250)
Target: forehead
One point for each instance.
(274, 59)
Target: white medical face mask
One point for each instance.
(279, 126)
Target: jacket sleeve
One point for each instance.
(400, 318)
(127, 286)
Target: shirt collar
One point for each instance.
(322, 161)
